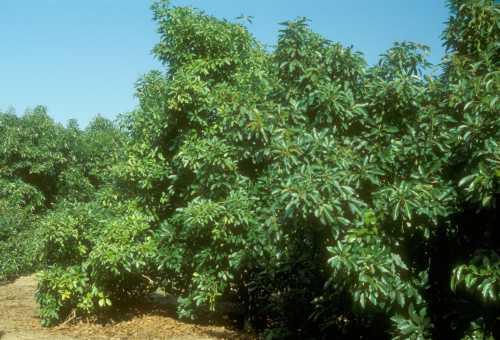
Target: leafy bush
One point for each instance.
(95, 254)
(19, 252)
(374, 164)
(18, 246)
(41, 165)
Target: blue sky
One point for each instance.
(82, 58)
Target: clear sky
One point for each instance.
(82, 58)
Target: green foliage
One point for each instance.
(95, 254)
(297, 179)
(481, 275)
(18, 243)
(60, 162)
(100, 147)
(328, 174)
(19, 246)
(43, 164)
(187, 242)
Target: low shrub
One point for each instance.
(95, 255)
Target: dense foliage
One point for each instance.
(42, 165)
(327, 198)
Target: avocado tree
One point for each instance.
(299, 179)
(42, 164)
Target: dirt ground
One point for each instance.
(19, 321)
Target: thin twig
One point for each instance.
(148, 278)
(69, 319)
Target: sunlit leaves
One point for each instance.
(481, 276)
(291, 179)
(95, 254)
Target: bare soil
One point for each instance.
(19, 320)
